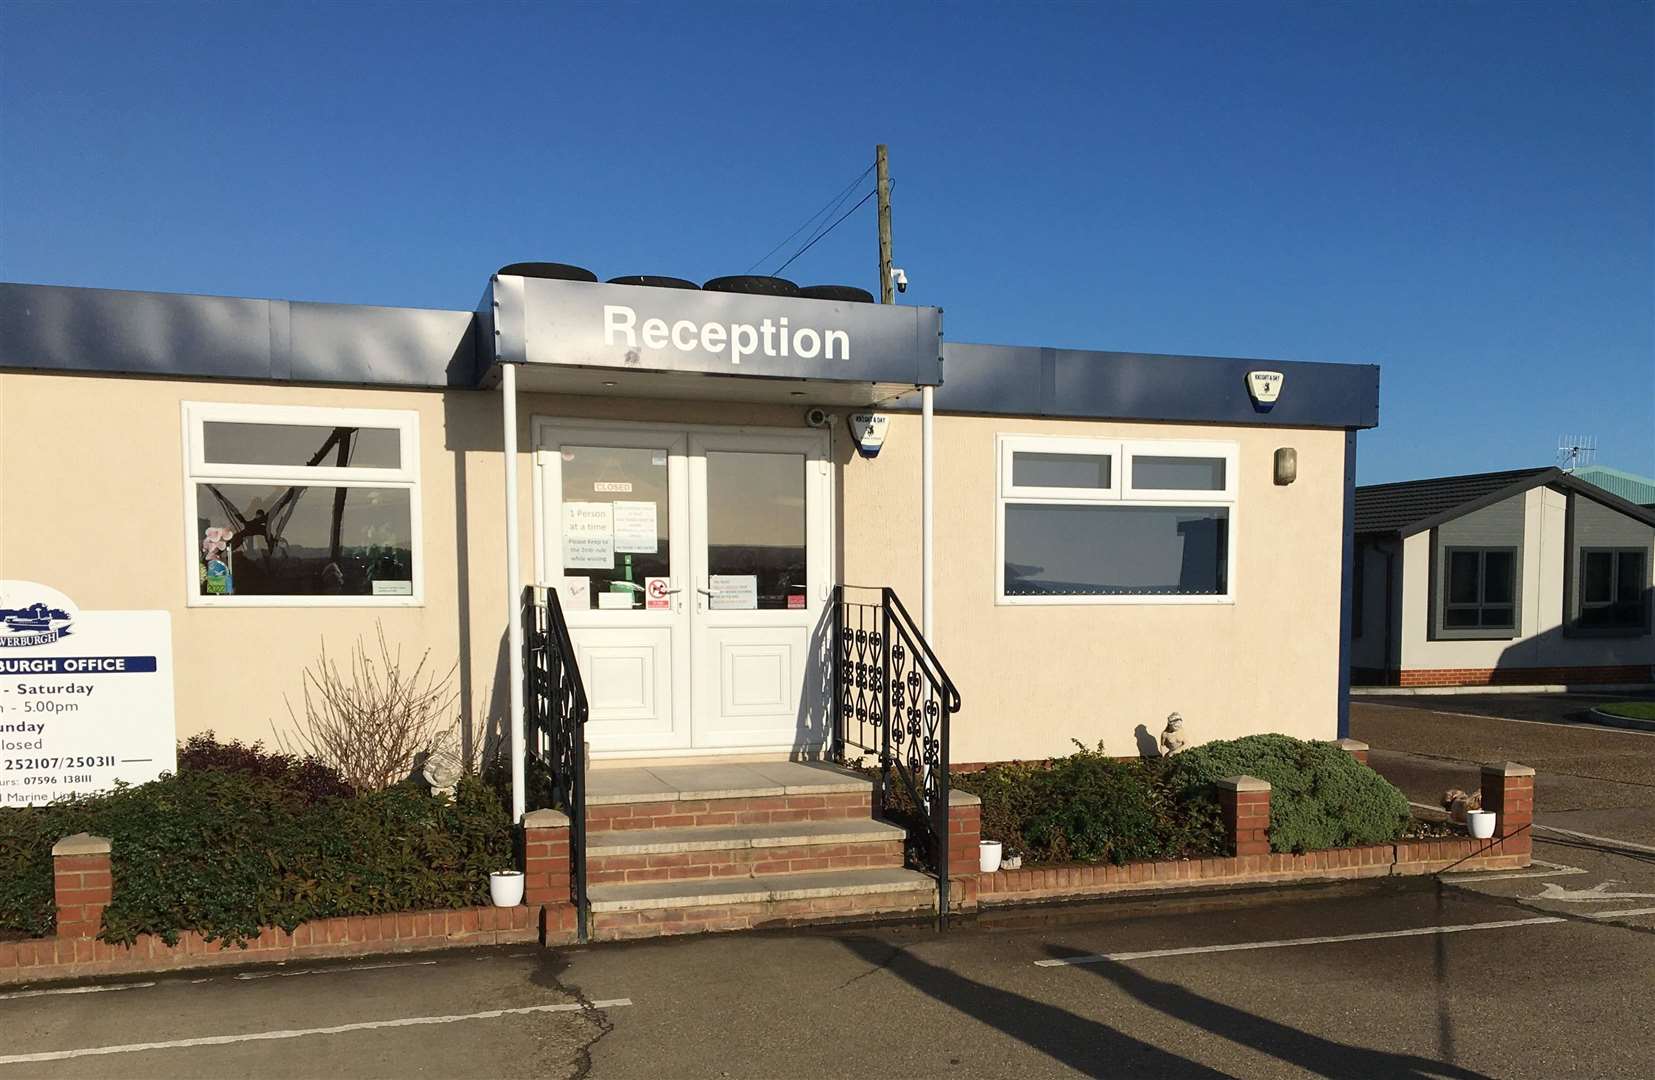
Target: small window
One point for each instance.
(1614, 584)
(292, 505)
(1093, 521)
(1479, 589)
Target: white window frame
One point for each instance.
(1121, 492)
(197, 470)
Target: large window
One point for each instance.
(1613, 589)
(291, 505)
(1479, 589)
(1100, 521)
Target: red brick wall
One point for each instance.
(1534, 676)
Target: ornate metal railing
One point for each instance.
(555, 700)
(893, 699)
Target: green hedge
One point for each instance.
(1320, 796)
(226, 853)
(1089, 807)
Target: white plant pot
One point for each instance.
(505, 888)
(988, 856)
(1481, 823)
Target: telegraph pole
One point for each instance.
(883, 172)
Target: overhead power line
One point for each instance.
(815, 219)
(823, 233)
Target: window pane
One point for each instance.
(756, 530)
(1177, 473)
(283, 540)
(228, 443)
(1597, 571)
(1460, 618)
(1116, 550)
(1499, 577)
(1499, 617)
(1059, 470)
(615, 521)
(1629, 577)
(1462, 577)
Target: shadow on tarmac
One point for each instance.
(1312, 1053)
(1085, 1045)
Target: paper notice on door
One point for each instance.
(577, 593)
(658, 593)
(635, 528)
(612, 601)
(733, 592)
(588, 536)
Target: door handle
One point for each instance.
(699, 589)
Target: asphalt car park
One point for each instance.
(1531, 973)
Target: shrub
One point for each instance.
(1320, 796)
(376, 725)
(306, 776)
(1088, 807)
(225, 853)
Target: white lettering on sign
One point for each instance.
(737, 340)
(85, 696)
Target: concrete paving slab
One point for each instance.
(607, 786)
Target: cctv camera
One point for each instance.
(817, 417)
(899, 278)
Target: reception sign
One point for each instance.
(85, 696)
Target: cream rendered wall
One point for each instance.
(1034, 677)
(97, 511)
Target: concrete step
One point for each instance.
(681, 796)
(653, 909)
(689, 853)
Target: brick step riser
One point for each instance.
(766, 810)
(742, 862)
(664, 922)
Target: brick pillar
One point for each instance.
(965, 831)
(545, 857)
(1353, 747)
(82, 884)
(1508, 790)
(1245, 801)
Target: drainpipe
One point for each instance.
(927, 485)
(514, 588)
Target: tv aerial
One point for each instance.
(1574, 451)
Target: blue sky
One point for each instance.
(1461, 193)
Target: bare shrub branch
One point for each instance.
(375, 725)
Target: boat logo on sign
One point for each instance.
(34, 623)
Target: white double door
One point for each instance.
(695, 573)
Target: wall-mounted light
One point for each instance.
(1287, 465)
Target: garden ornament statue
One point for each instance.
(442, 772)
(1172, 739)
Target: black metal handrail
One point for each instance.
(894, 698)
(557, 710)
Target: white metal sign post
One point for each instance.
(85, 696)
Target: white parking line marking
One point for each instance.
(1627, 844)
(1619, 914)
(1551, 890)
(15, 994)
(331, 970)
(1245, 946)
(1551, 870)
(298, 1033)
